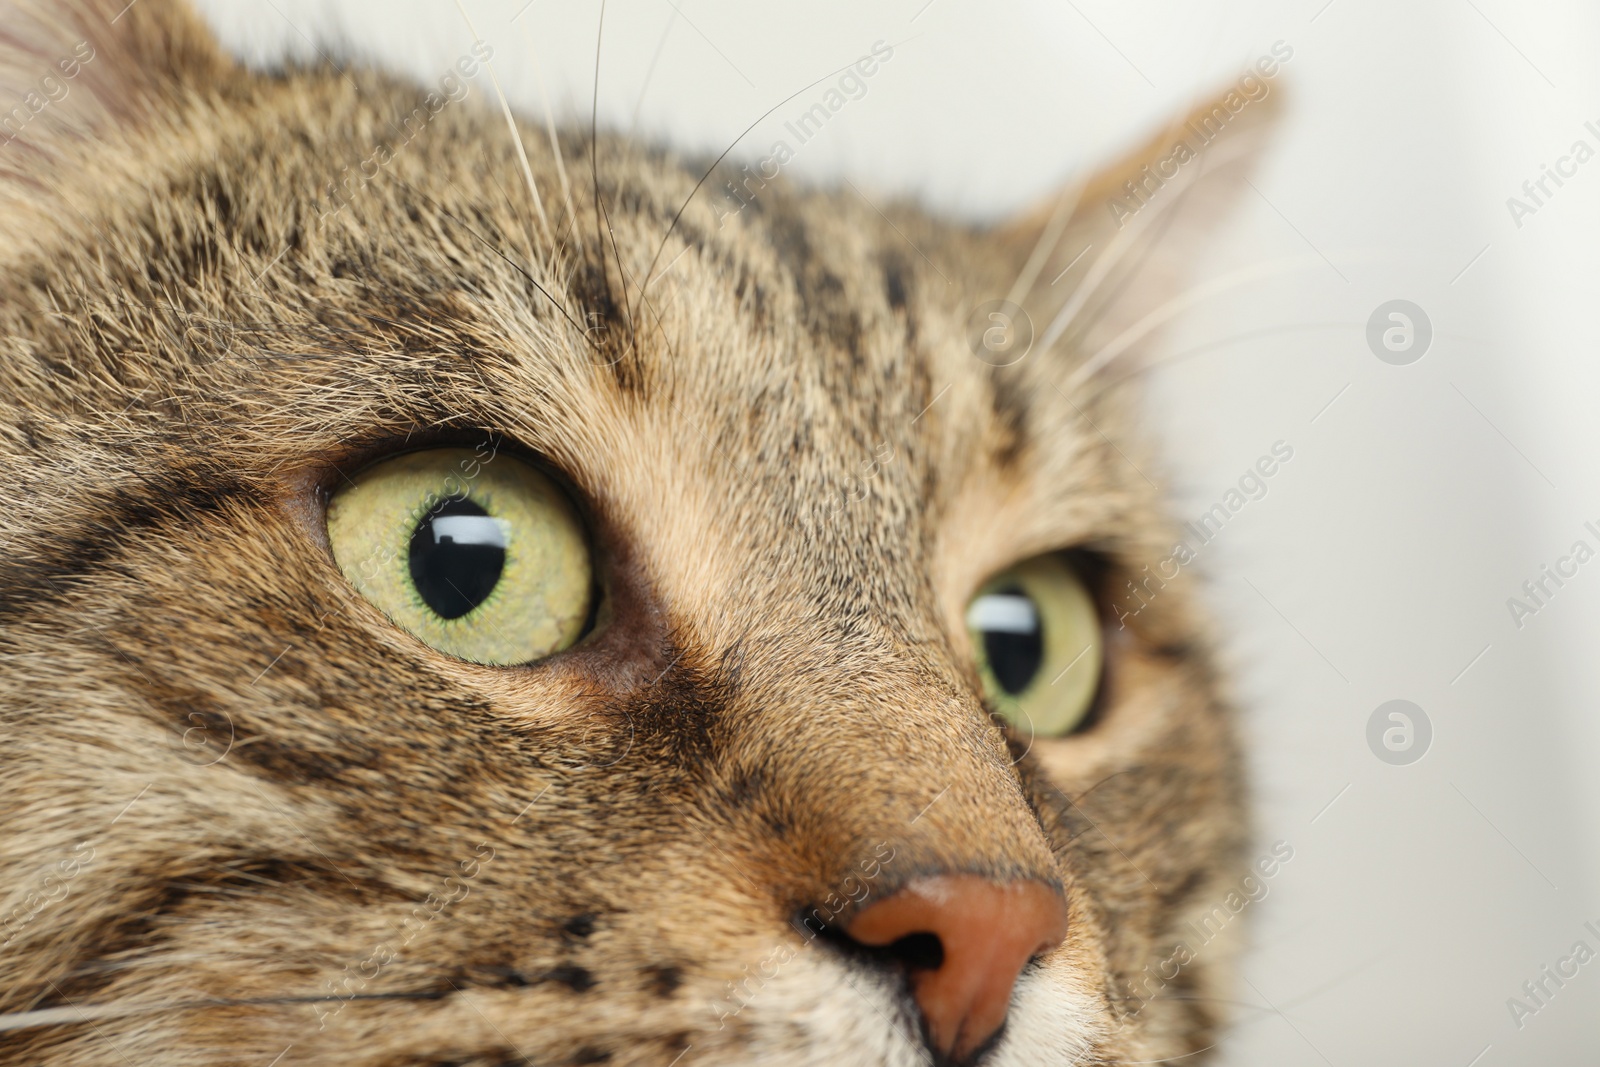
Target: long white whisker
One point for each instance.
(1099, 267)
(1102, 265)
(602, 218)
(90, 1013)
(550, 126)
(1168, 359)
(25, 1020)
(1043, 248)
(511, 124)
(1182, 302)
(663, 272)
(1167, 1059)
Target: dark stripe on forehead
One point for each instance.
(827, 307)
(899, 276)
(619, 317)
(895, 281)
(789, 239)
(1011, 398)
(599, 306)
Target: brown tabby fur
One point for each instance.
(245, 817)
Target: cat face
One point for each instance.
(754, 806)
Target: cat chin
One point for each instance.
(828, 1013)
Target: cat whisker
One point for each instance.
(1189, 997)
(1049, 239)
(601, 214)
(92, 1013)
(1164, 1059)
(555, 141)
(649, 274)
(516, 135)
(1126, 770)
(513, 263)
(650, 71)
(1180, 303)
(1198, 350)
(1102, 266)
(531, 252)
(660, 325)
(1099, 269)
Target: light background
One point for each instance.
(1419, 498)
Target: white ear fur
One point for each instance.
(1108, 257)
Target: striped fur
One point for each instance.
(246, 818)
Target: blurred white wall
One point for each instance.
(1420, 497)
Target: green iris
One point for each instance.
(483, 559)
(1039, 645)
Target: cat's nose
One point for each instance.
(987, 932)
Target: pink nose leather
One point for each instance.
(988, 931)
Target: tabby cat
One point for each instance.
(470, 599)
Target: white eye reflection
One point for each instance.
(470, 530)
(1006, 613)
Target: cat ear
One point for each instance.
(1112, 256)
(79, 76)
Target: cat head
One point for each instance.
(761, 739)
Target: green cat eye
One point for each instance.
(1037, 637)
(481, 557)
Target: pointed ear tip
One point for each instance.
(1245, 126)
(1231, 112)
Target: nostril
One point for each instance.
(962, 940)
(916, 952)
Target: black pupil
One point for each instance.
(457, 554)
(1015, 653)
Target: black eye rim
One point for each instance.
(1094, 568)
(355, 457)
